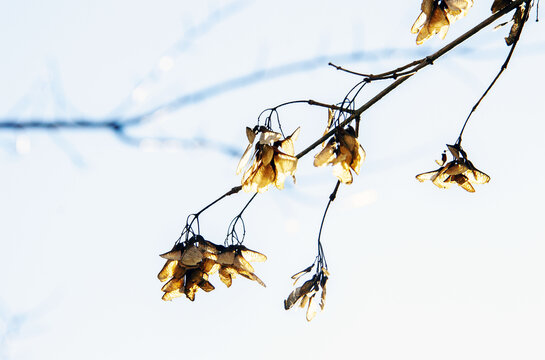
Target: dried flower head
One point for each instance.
(273, 160)
(437, 16)
(459, 171)
(344, 152)
(189, 265)
(306, 294)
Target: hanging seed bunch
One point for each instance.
(190, 264)
(307, 295)
(459, 171)
(273, 159)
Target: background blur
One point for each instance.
(416, 272)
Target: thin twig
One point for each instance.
(429, 60)
(234, 190)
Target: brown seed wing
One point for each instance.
(226, 258)
(427, 175)
(267, 154)
(245, 158)
(326, 156)
(192, 256)
(252, 255)
(173, 294)
(251, 276)
(173, 284)
(225, 277)
(168, 270)
(241, 263)
(172, 255)
(250, 134)
(206, 285)
(312, 309)
(292, 299)
(342, 171)
(477, 177)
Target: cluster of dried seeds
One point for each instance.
(190, 264)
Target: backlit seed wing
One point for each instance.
(209, 255)
(250, 134)
(190, 292)
(301, 273)
(322, 298)
(168, 270)
(427, 175)
(420, 21)
(269, 137)
(424, 34)
(427, 6)
(342, 172)
(465, 184)
(357, 159)
(443, 160)
(206, 285)
(173, 294)
(454, 151)
(440, 178)
(192, 256)
(241, 263)
(209, 247)
(326, 156)
(312, 309)
(172, 255)
(173, 284)
(264, 177)
(344, 155)
(252, 255)
(457, 8)
(285, 163)
(245, 158)
(248, 184)
(295, 134)
(477, 177)
(225, 277)
(455, 168)
(439, 23)
(304, 301)
(179, 272)
(207, 265)
(252, 276)
(288, 147)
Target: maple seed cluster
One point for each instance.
(344, 152)
(459, 171)
(190, 264)
(437, 16)
(305, 295)
(273, 159)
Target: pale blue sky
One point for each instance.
(416, 272)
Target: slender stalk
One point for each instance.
(502, 69)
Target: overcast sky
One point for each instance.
(416, 272)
